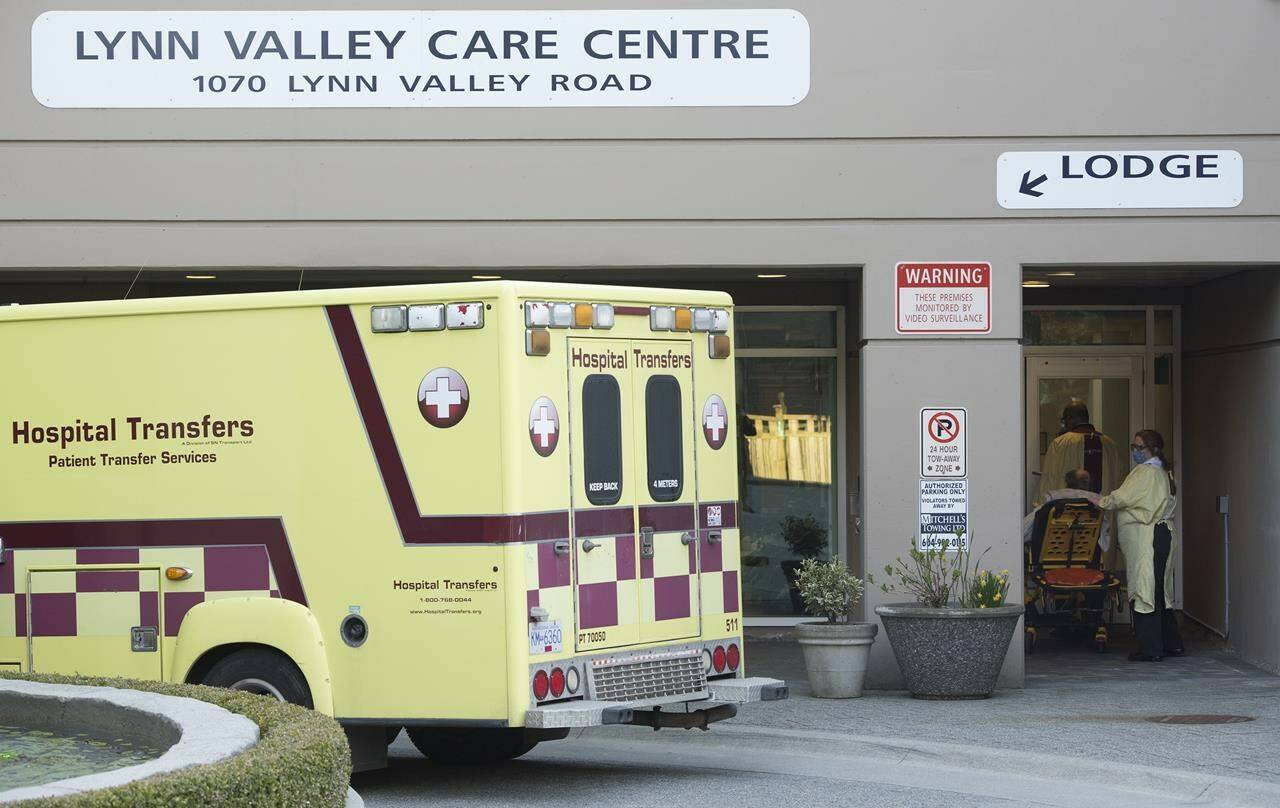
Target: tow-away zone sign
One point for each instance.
(1195, 178)
(943, 298)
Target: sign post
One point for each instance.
(1047, 180)
(944, 487)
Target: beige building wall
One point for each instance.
(891, 157)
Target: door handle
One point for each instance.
(713, 537)
(561, 547)
(588, 545)
(687, 538)
(646, 542)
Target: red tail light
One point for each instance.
(540, 685)
(735, 656)
(717, 659)
(557, 682)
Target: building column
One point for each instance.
(902, 374)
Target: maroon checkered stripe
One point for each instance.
(597, 602)
(53, 614)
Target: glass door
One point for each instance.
(1109, 386)
(790, 380)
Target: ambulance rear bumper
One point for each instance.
(725, 692)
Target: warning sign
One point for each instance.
(944, 298)
(943, 442)
(944, 515)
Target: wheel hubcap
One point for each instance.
(260, 687)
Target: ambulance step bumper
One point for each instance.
(741, 691)
(573, 714)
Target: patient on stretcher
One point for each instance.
(1077, 487)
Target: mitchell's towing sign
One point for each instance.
(1193, 178)
(597, 58)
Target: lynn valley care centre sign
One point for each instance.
(598, 58)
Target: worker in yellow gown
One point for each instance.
(1144, 505)
(1079, 446)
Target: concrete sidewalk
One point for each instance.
(1077, 707)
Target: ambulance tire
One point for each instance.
(262, 671)
(470, 746)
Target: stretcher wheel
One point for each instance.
(1100, 640)
(1029, 640)
(470, 746)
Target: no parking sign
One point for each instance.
(943, 442)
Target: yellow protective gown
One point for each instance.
(1141, 502)
(1067, 453)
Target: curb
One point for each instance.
(205, 732)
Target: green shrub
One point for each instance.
(301, 758)
(828, 589)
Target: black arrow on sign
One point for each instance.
(1029, 185)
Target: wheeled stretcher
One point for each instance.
(1067, 588)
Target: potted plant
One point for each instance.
(951, 641)
(806, 538)
(835, 650)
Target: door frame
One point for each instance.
(1148, 351)
(839, 435)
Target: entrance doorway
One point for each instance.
(1121, 362)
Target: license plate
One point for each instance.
(545, 638)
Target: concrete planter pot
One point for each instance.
(835, 656)
(949, 653)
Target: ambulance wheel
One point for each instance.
(262, 671)
(470, 746)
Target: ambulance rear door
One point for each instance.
(664, 431)
(603, 490)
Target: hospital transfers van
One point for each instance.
(486, 512)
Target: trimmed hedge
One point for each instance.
(301, 758)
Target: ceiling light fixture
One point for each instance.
(1035, 285)
(486, 277)
(201, 277)
(1061, 274)
(770, 275)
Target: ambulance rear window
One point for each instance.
(663, 438)
(602, 439)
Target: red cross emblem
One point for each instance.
(443, 397)
(544, 426)
(715, 421)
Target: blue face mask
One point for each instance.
(1139, 456)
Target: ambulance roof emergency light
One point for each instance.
(386, 319)
(537, 314)
(426, 317)
(702, 319)
(465, 315)
(719, 321)
(561, 315)
(602, 315)
(662, 318)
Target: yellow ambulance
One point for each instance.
(486, 512)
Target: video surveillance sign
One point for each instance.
(579, 58)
